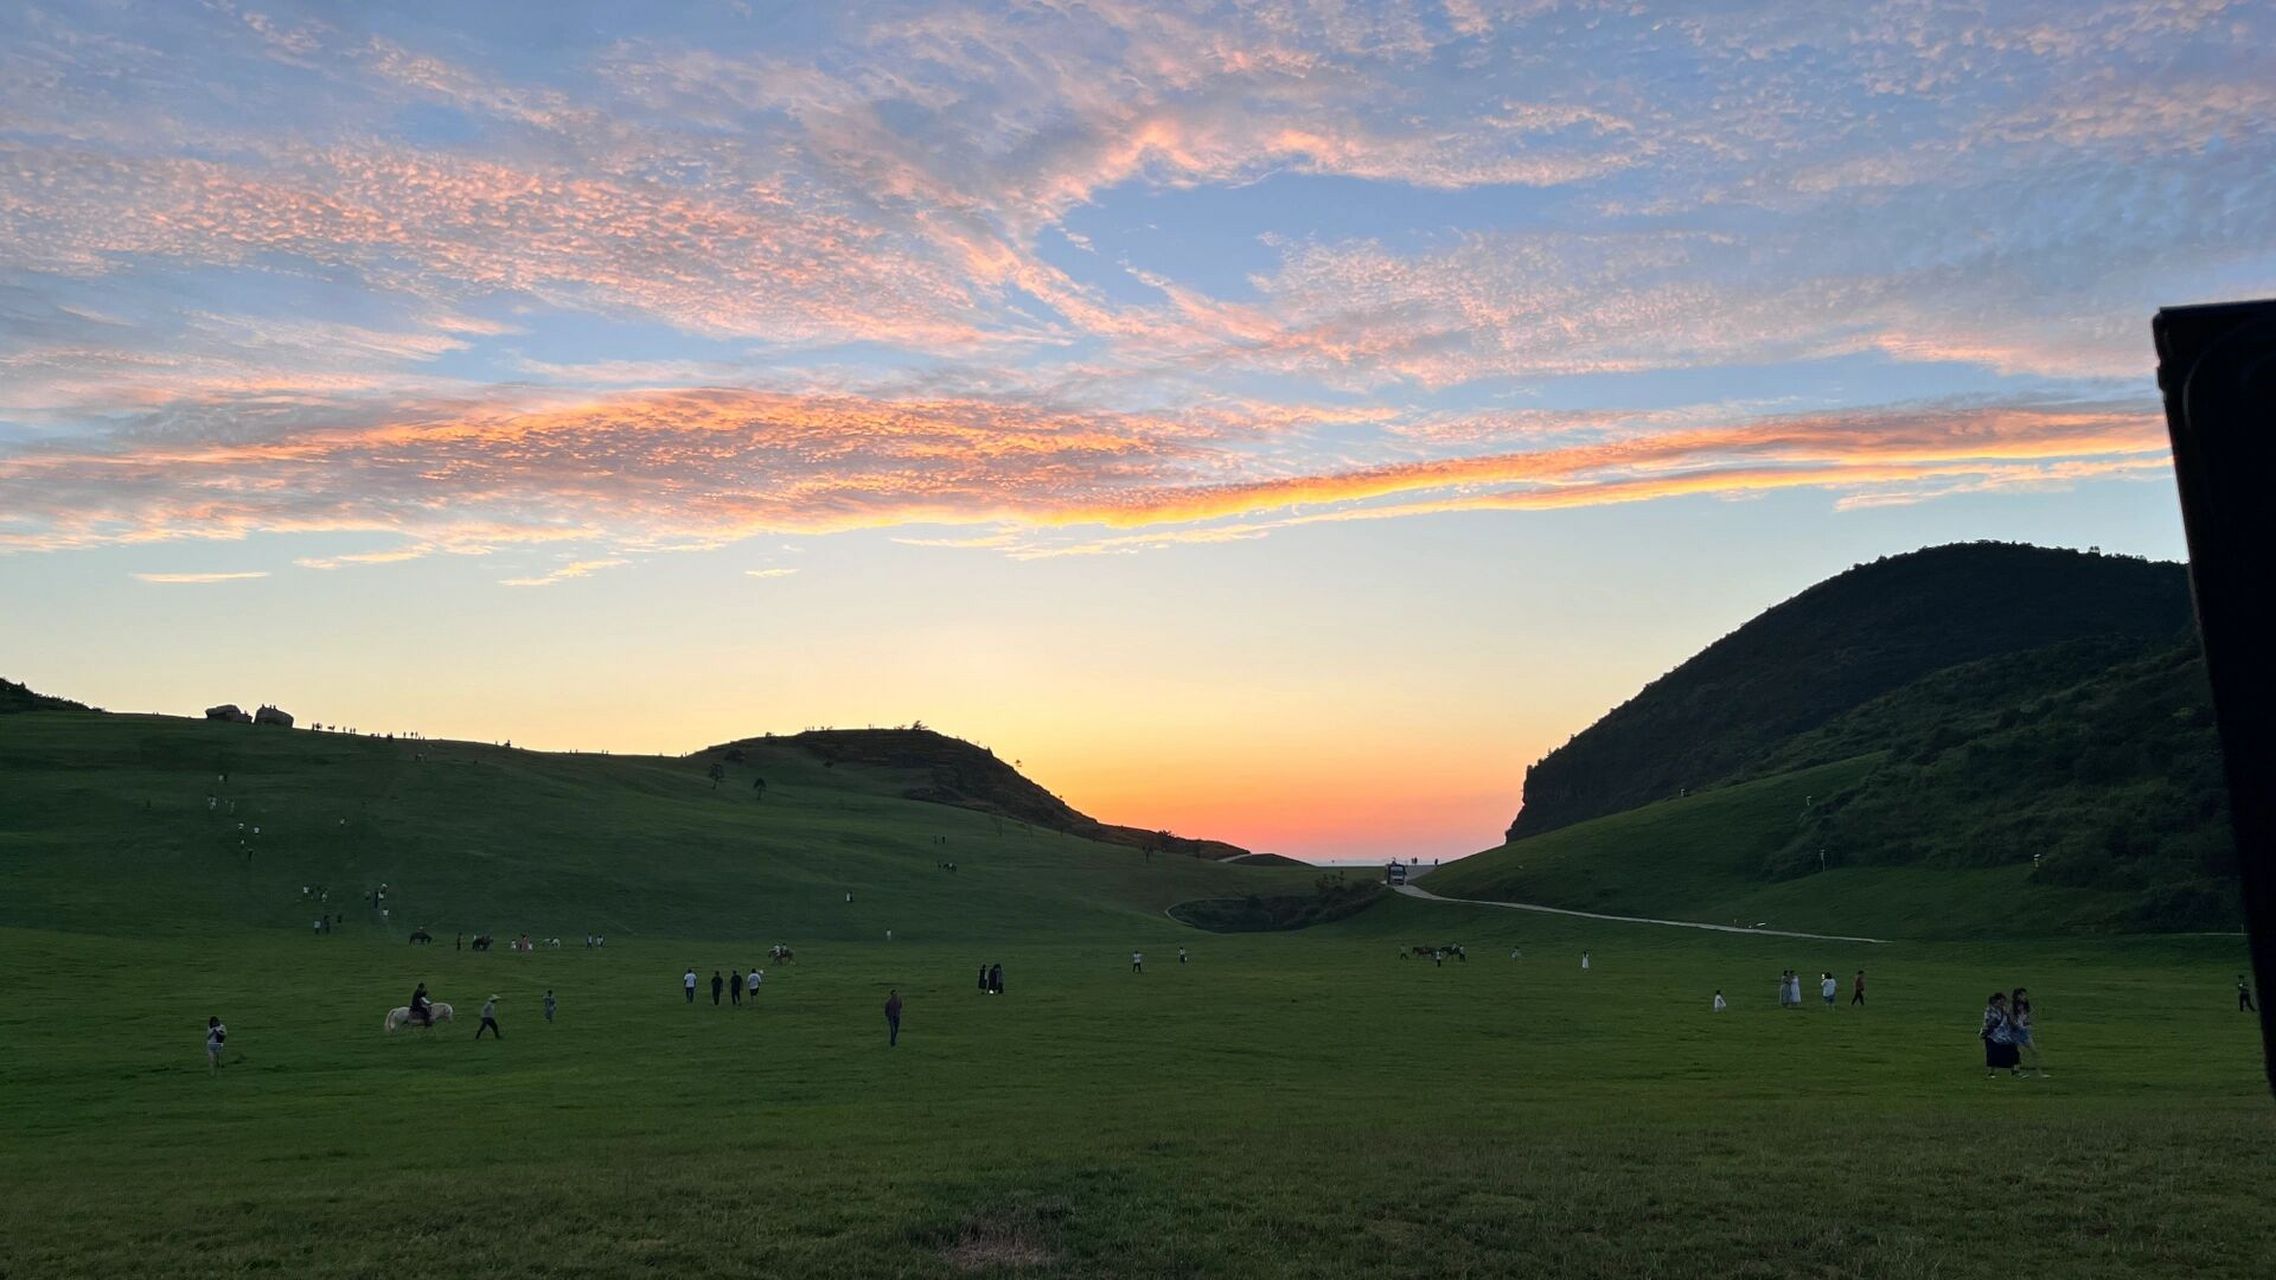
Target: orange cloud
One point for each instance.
(662, 470)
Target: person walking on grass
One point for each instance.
(718, 984)
(892, 1018)
(687, 983)
(983, 980)
(735, 987)
(1826, 989)
(2022, 1031)
(549, 1004)
(1857, 989)
(1181, 955)
(1720, 1003)
(2244, 996)
(1998, 1035)
(996, 978)
(215, 1036)
(490, 1019)
(752, 985)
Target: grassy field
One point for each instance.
(108, 829)
(1296, 1104)
(1702, 857)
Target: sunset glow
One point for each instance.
(1278, 422)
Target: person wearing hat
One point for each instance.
(490, 1019)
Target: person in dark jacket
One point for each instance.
(996, 980)
(718, 984)
(1998, 1035)
(892, 1018)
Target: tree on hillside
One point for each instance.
(718, 774)
(759, 787)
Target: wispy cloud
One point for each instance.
(574, 569)
(655, 471)
(196, 579)
(768, 573)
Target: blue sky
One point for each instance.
(1263, 375)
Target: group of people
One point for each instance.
(734, 985)
(992, 979)
(422, 1011)
(1829, 989)
(2007, 1035)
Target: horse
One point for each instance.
(421, 937)
(400, 1015)
(481, 942)
(778, 952)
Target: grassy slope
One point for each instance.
(1703, 857)
(107, 829)
(1287, 1105)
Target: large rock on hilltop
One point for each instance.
(271, 715)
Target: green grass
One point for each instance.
(107, 829)
(1703, 857)
(1292, 1104)
(1299, 1104)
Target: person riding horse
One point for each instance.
(422, 1007)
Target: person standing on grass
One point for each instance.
(2243, 996)
(490, 1019)
(892, 1018)
(983, 979)
(752, 985)
(215, 1036)
(718, 984)
(1826, 989)
(735, 987)
(1584, 962)
(1857, 989)
(2022, 1032)
(1998, 1035)
(1137, 962)
(687, 983)
(1720, 1003)
(549, 1005)
(996, 979)
(1181, 955)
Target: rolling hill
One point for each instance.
(1835, 647)
(134, 823)
(933, 767)
(2069, 779)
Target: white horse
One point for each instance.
(400, 1015)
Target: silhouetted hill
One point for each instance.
(1801, 665)
(920, 764)
(15, 697)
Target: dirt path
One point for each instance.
(1427, 896)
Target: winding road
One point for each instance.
(1427, 896)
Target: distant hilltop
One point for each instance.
(16, 697)
(1989, 737)
(1856, 637)
(938, 769)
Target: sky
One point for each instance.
(1278, 420)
